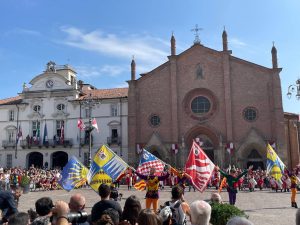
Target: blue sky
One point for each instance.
(99, 38)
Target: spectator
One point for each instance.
(20, 218)
(105, 220)
(43, 207)
(148, 217)
(8, 203)
(215, 198)
(77, 204)
(104, 203)
(60, 211)
(237, 220)
(178, 206)
(200, 212)
(113, 214)
(132, 208)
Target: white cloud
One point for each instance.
(23, 31)
(146, 49)
(105, 70)
(237, 43)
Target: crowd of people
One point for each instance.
(108, 210)
(37, 178)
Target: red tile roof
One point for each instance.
(10, 101)
(106, 93)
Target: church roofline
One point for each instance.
(213, 51)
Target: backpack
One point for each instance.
(178, 215)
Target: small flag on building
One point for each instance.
(80, 124)
(94, 124)
(229, 148)
(174, 148)
(19, 135)
(45, 138)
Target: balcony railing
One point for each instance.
(8, 144)
(114, 140)
(68, 142)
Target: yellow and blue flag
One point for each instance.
(73, 174)
(275, 166)
(106, 167)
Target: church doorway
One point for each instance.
(255, 159)
(35, 159)
(59, 159)
(206, 145)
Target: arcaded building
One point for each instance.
(231, 106)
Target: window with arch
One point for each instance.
(155, 120)
(200, 105)
(60, 107)
(250, 114)
(37, 108)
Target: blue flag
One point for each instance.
(73, 174)
(45, 138)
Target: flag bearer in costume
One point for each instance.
(294, 181)
(182, 177)
(231, 179)
(152, 185)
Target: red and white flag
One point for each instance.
(229, 148)
(95, 125)
(199, 167)
(174, 148)
(80, 124)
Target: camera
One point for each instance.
(77, 217)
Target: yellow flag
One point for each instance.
(103, 156)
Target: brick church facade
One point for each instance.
(232, 107)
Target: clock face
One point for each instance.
(49, 83)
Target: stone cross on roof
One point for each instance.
(196, 30)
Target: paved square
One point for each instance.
(263, 207)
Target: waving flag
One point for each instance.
(275, 166)
(95, 125)
(73, 174)
(199, 167)
(80, 124)
(106, 163)
(148, 161)
(140, 186)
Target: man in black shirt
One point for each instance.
(104, 203)
(8, 203)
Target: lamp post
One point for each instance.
(294, 88)
(89, 103)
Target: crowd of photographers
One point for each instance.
(107, 211)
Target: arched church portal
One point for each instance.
(59, 159)
(206, 138)
(255, 159)
(206, 145)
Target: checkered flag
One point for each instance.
(148, 161)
